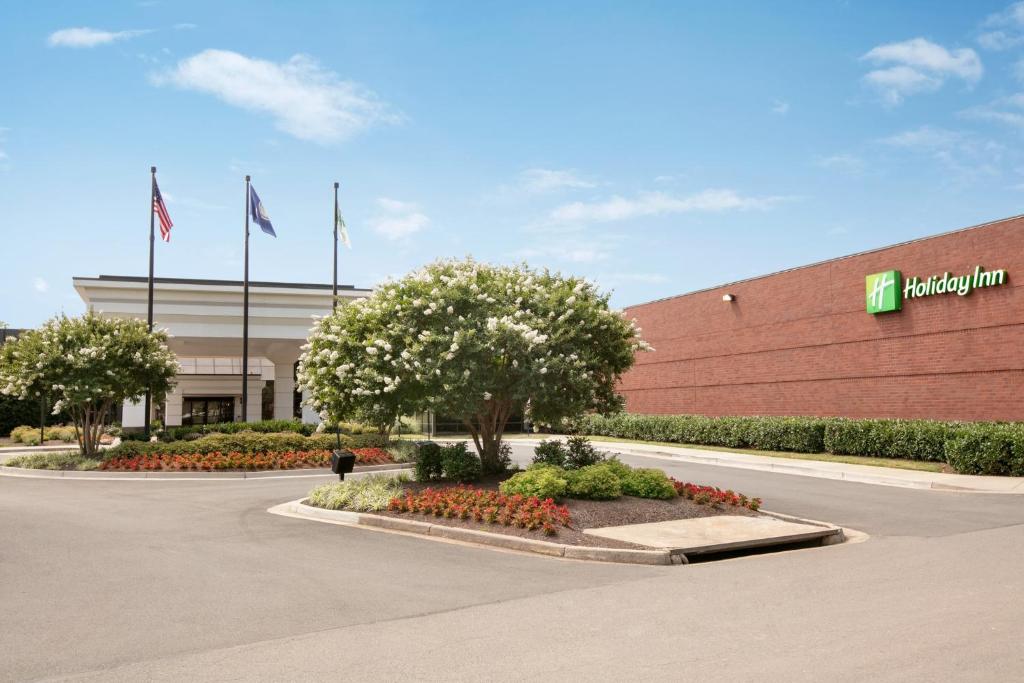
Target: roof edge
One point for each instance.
(820, 263)
(221, 283)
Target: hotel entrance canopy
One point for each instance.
(204, 321)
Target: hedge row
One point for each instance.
(189, 432)
(988, 449)
(799, 434)
(970, 448)
(245, 442)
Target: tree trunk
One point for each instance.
(89, 423)
(487, 430)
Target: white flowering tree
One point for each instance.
(473, 341)
(86, 366)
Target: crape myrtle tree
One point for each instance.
(475, 341)
(86, 366)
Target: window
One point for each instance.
(207, 410)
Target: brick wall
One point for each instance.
(801, 343)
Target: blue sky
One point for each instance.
(654, 147)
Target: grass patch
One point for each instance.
(54, 461)
(896, 463)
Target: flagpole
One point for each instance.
(149, 306)
(334, 299)
(245, 313)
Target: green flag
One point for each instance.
(339, 225)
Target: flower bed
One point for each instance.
(714, 496)
(486, 508)
(480, 505)
(217, 461)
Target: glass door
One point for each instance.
(202, 410)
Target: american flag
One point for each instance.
(161, 210)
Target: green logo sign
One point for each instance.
(883, 292)
(887, 291)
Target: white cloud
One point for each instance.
(843, 162)
(398, 220)
(1004, 30)
(185, 26)
(3, 139)
(965, 156)
(40, 284)
(918, 65)
(90, 37)
(540, 180)
(658, 203)
(999, 40)
(1006, 110)
(304, 99)
(780, 107)
(926, 137)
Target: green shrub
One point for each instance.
(31, 438)
(906, 439)
(58, 433)
(428, 461)
(18, 433)
(505, 458)
(648, 483)
(402, 450)
(459, 464)
(550, 452)
(885, 438)
(799, 434)
(581, 453)
(989, 449)
(245, 442)
(616, 466)
(264, 426)
(594, 482)
(543, 481)
(53, 461)
(365, 494)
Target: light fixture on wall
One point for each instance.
(728, 297)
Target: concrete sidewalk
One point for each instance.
(864, 474)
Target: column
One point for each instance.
(284, 391)
(133, 414)
(173, 409)
(308, 415)
(255, 407)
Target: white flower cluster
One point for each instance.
(462, 337)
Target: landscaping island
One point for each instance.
(568, 489)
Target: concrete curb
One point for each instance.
(195, 476)
(828, 534)
(298, 509)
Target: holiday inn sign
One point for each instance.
(886, 291)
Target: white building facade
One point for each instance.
(204, 321)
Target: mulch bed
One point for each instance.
(586, 514)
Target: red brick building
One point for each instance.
(801, 342)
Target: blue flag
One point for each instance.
(259, 213)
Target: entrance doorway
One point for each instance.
(201, 410)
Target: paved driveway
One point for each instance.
(142, 580)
